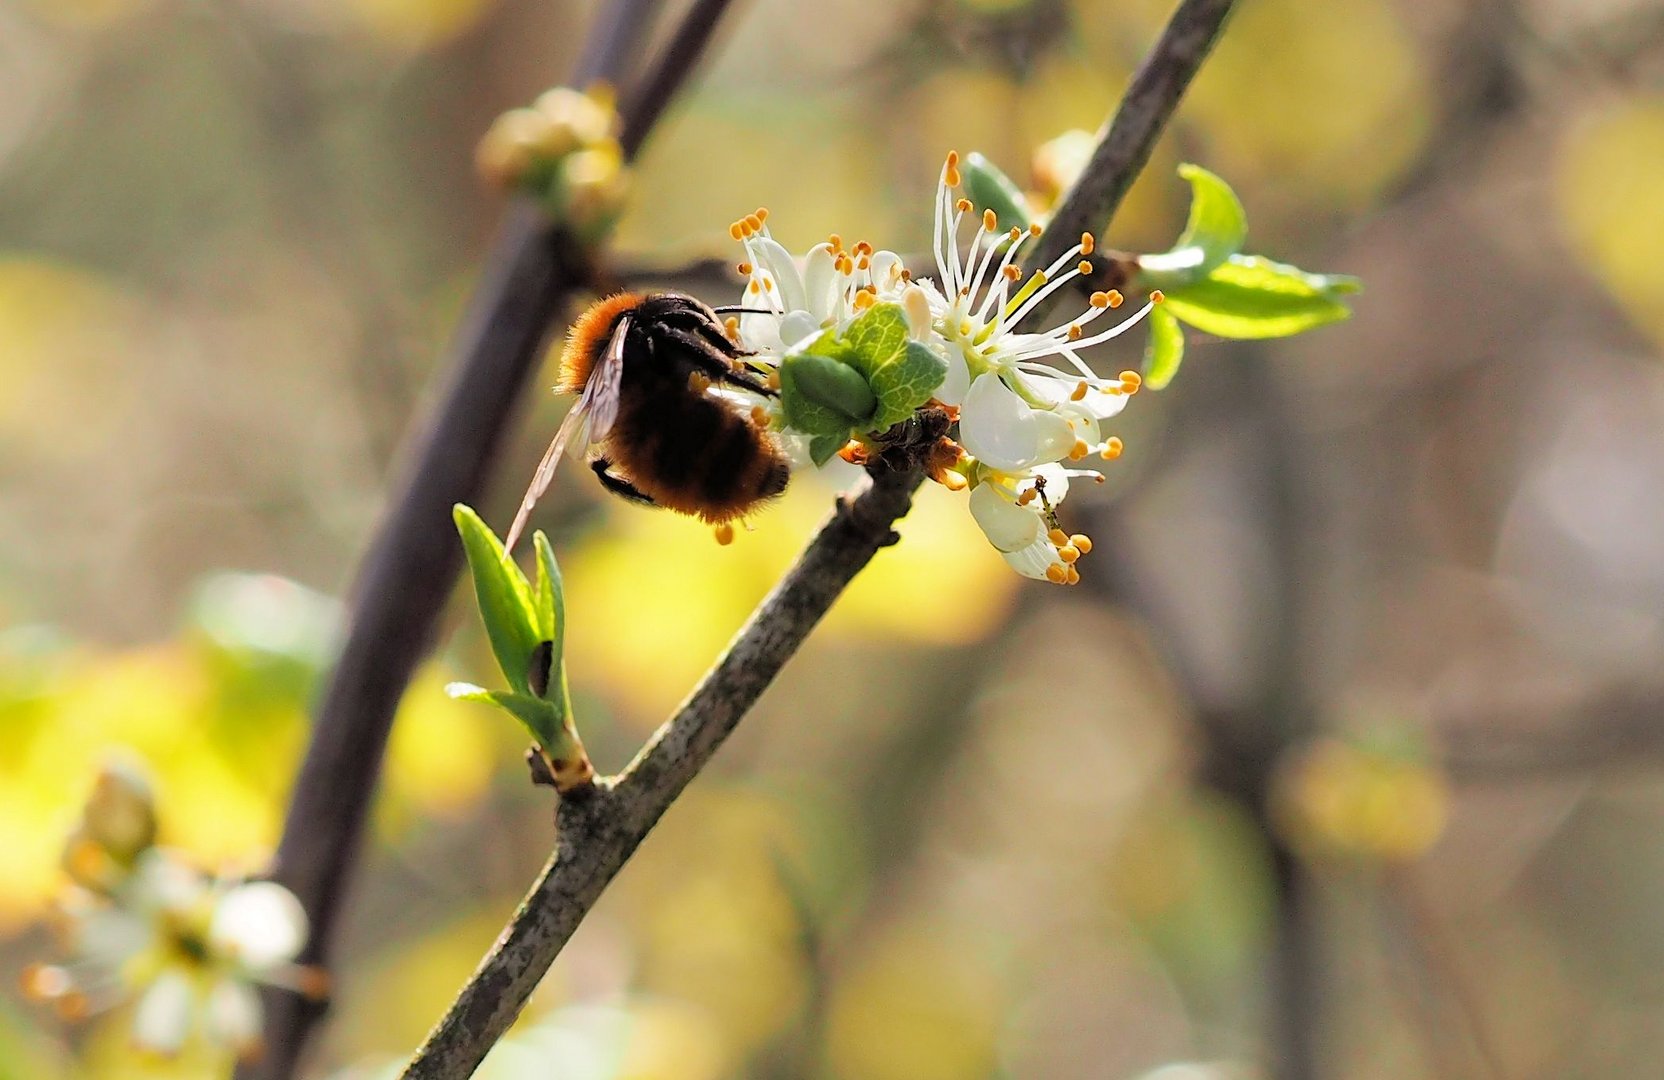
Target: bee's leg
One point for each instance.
(618, 485)
(714, 361)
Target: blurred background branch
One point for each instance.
(413, 561)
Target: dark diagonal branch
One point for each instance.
(1125, 142)
(413, 561)
(597, 834)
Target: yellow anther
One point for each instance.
(773, 380)
(1082, 543)
(698, 382)
(990, 220)
(906, 274)
(865, 263)
(759, 416)
(1115, 298)
(863, 300)
(1157, 297)
(737, 230)
(950, 173)
(1026, 497)
(1099, 300)
(1131, 381)
(836, 241)
(1012, 273)
(863, 248)
(754, 288)
(1058, 537)
(724, 533)
(744, 268)
(1057, 574)
(963, 206)
(1080, 390)
(1014, 233)
(1034, 230)
(1068, 553)
(1079, 450)
(755, 222)
(1085, 266)
(1087, 243)
(762, 214)
(1112, 448)
(1075, 333)
(1073, 577)
(768, 284)
(732, 325)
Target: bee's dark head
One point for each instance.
(677, 309)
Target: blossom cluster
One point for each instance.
(1030, 412)
(146, 928)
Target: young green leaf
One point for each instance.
(505, 598)
(1165, 349)
(1214, 232)
(1249, 296)
(989, 188)
(823, 447)
(902, 373)
(821, 393)
(551, 599)
(542, 718)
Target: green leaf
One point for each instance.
(822, 394)
(1165, 349)
(542, 718)
(823, 447)
(505, 598)
(551, 598)
(989, 188)
(1215, 231)
(1250, 296)
(902, 373)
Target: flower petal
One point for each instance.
(233, 1015)
(1007, 526)
(778, 262)
(162, 1020)
(1003, 431)
(260, 923)
(1033, 560)
(819, 282)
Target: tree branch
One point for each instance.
(414, 559)
(598, 833)
(1125, 141)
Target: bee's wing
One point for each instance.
(586, 423)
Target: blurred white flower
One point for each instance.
(186, 950)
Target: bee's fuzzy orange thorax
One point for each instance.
(588, 338)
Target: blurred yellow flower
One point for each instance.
(1339, 798)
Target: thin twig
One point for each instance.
(1125, 142)
(693, 35)
(597, 834)
(414, 558)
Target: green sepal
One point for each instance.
(1216, 228)
(1249, 296)
(1165, 350)
(989, 188)
(544, 719)
(505, 599)
(822, 448)
(821, 393)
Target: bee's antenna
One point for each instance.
(736, 310)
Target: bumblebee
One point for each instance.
(655, 376)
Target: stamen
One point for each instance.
(1074, 577)
(1131, 381)
(1080, 391)
(1058, 537)
(754, 222)
(1112, 448)
(1068, 553)
(836, 242)
(759, 416)
(990, 221)
(1085, 266)
(737, 230)
(1082, 542)
(1074, 335)
(1057, 574)
(964, 206)
(1026, 497)
(761, 215)
(1079, 450)
(950, 172)
(863, 300)
(724, 533)
(1157, 296)
(1087, 243)
(863, 248)
(698, 382)
(1011, 273)
(1115, 298)
(744, 268)
(1099, 300)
